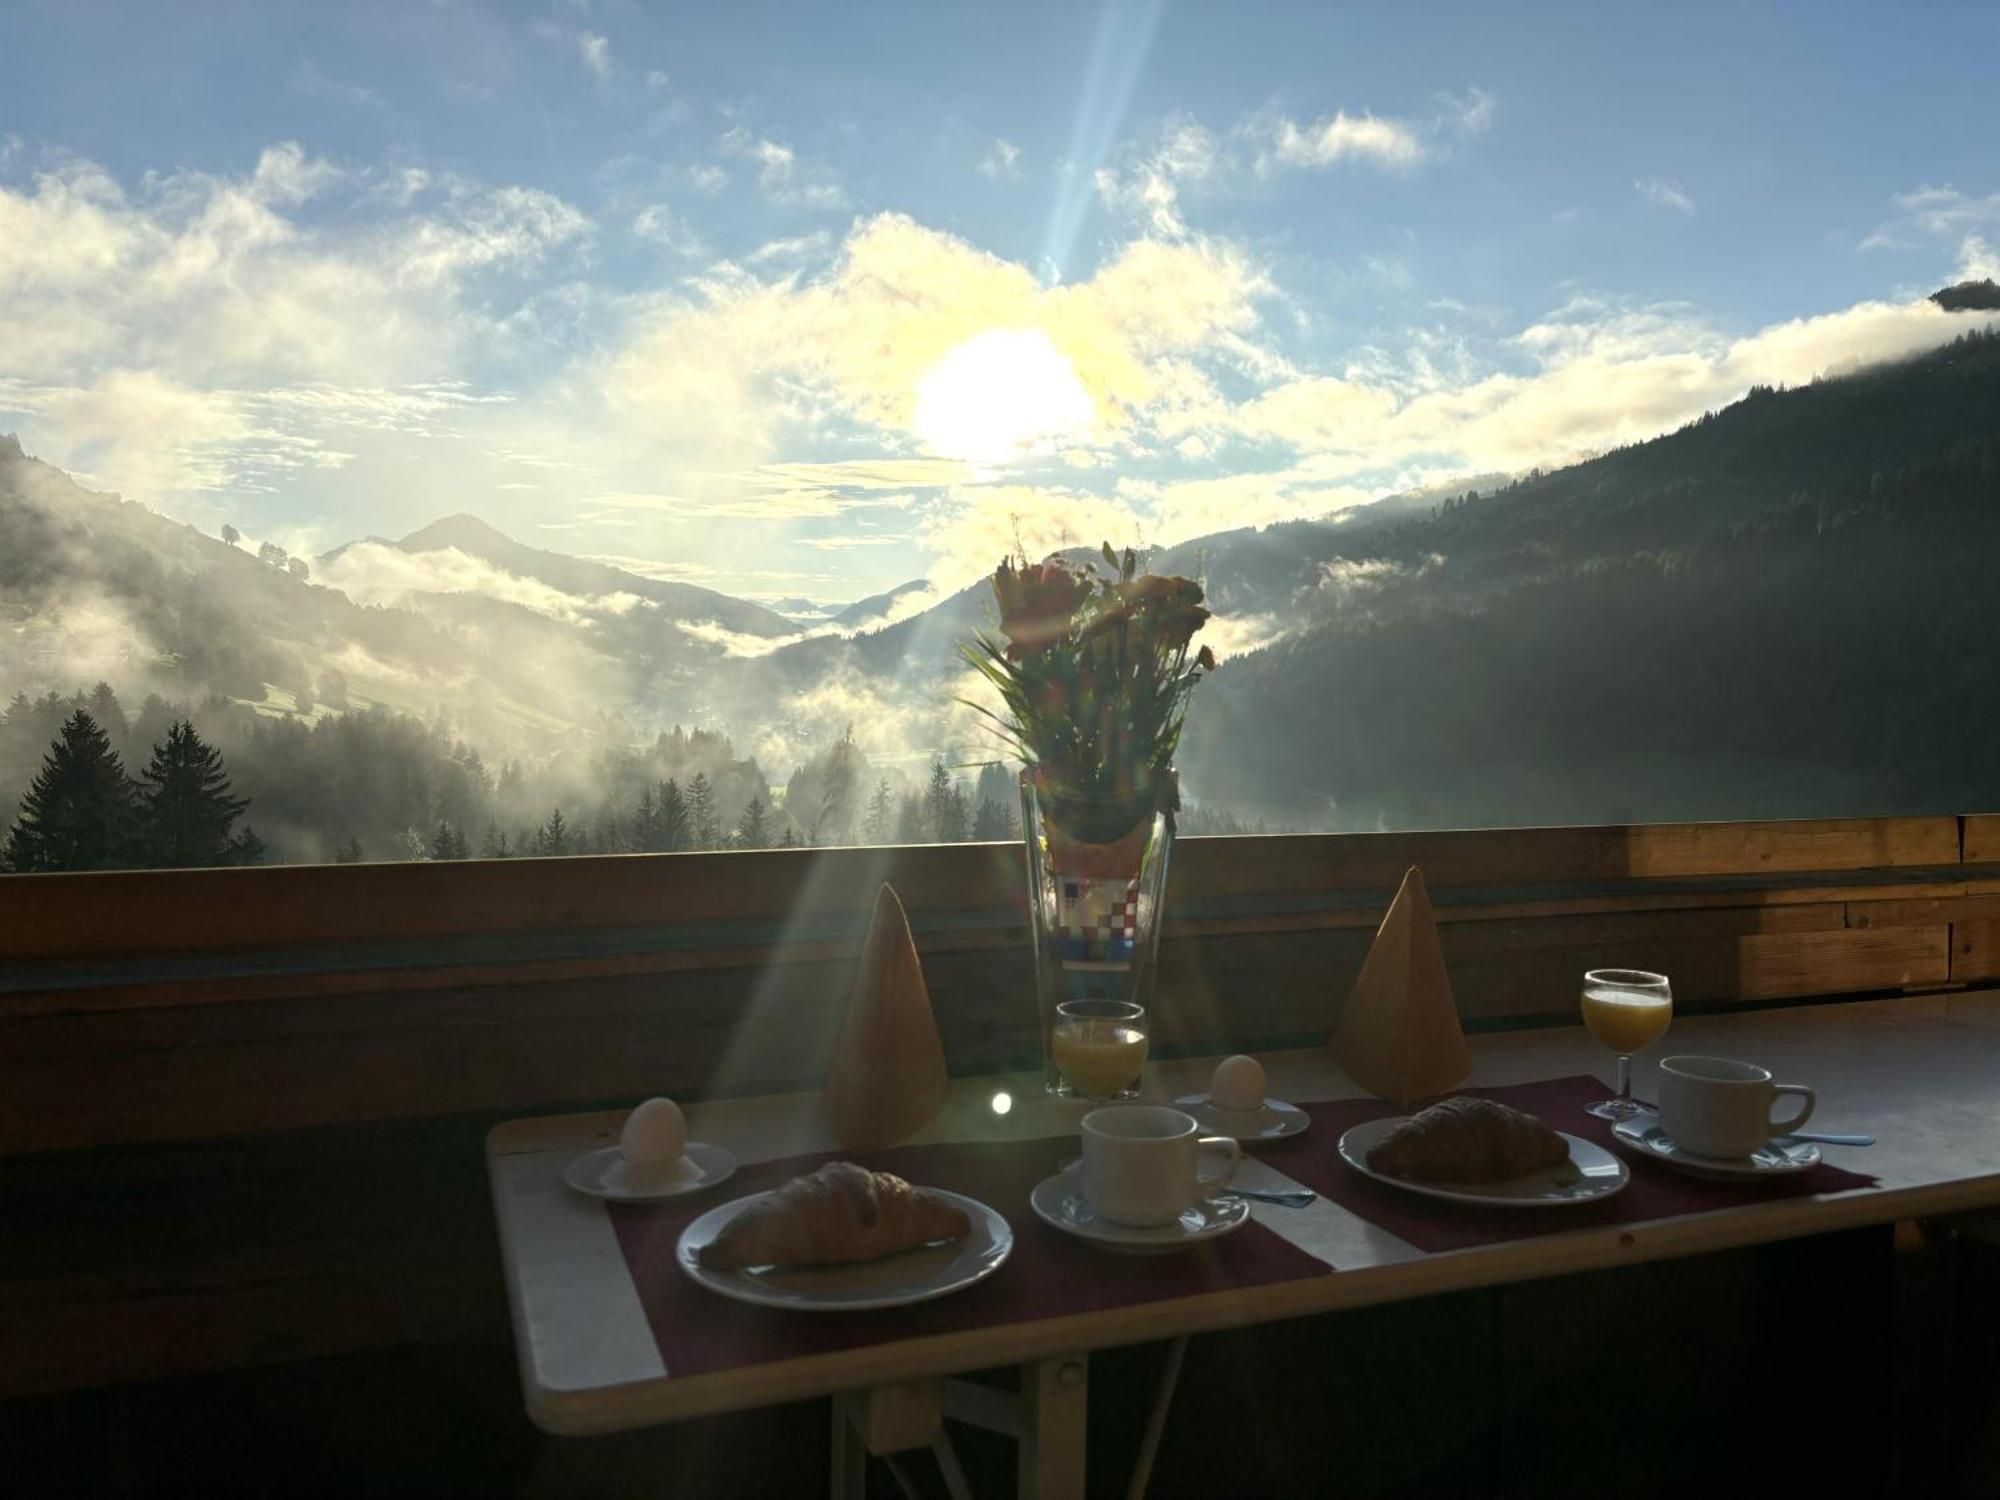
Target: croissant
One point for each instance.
(838, 1214)
(1467, 1140)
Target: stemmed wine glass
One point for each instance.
(1627, 1010)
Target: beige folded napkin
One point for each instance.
(1398, 1036)
(887, 1079)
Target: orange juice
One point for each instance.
(1624, 1022)
(1099, 1059)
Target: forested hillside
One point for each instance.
(1784, 609)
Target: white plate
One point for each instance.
(893, 1281)
(1643, 1134)
(1273, 1122)
(1590, 1175)
(1059, 1200)
(606, 1174)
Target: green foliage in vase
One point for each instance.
(1094, 675)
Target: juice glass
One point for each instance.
(1100, 1047)
(1627, 1010)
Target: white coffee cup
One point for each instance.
(1140, 1164)
(1713, 1106)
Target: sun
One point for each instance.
(1002, 395)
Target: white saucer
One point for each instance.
(1059, 1200)
(1590, 1175)
(1273, 1121)
(892, 1281)
(606, 1174)
(1642, 1134)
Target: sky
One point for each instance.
(811, 300)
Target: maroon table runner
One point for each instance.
(1431, 1224)
(1050, 1274)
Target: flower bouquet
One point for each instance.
(1094, 673)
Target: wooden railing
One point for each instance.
(397, 1010)
(141, 1006)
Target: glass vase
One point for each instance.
(1094, 911)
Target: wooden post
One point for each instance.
(1055, 1407)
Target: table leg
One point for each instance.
(1055, 1406)
(885, 1420)
(848, 1479)
(1149, 1445)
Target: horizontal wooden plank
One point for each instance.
(1981, 839)
(1975, 950)
(143, 912)
(1924, 911)
(84, 984)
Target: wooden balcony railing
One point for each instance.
(161, 1006)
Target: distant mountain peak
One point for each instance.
(463, 530)
(1969, 296)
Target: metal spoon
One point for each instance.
(1820, 1137)
(1289, 1197)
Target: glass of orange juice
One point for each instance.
(1100, 1047)
(1627, 1010)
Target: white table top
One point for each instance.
(1921, 1074)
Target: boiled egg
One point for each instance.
(1238, 1084)
(655, 1134)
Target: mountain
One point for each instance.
(1780, 610)
(94, 587)
(1969, 296)
(585, 578)
(877, 606)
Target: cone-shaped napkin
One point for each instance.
(888, 1077)
(1399, 1036)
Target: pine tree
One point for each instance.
(676, 825)
(944, 805)
(989, 823)
(349, 853)
(880, 820)
(645, 837)
(495, 846)
(753, 831)
(80, 812)
(552, 837)
(187, 815)
(701, 812)
(791, 840)
(448, 842)
(910, 822)
(105, 709)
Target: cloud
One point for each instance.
(380, 574)
(742, 362)
(706, 177)
(1002, 161)
(1149, 188)
(1470, 113)
(798, 248)
(1341, 137)
(1965, 222)
(199, 331)
(591, 49)
(661, 226)
(1604, 375)
(781, 177)
(1148, 183)
(1666, 194)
